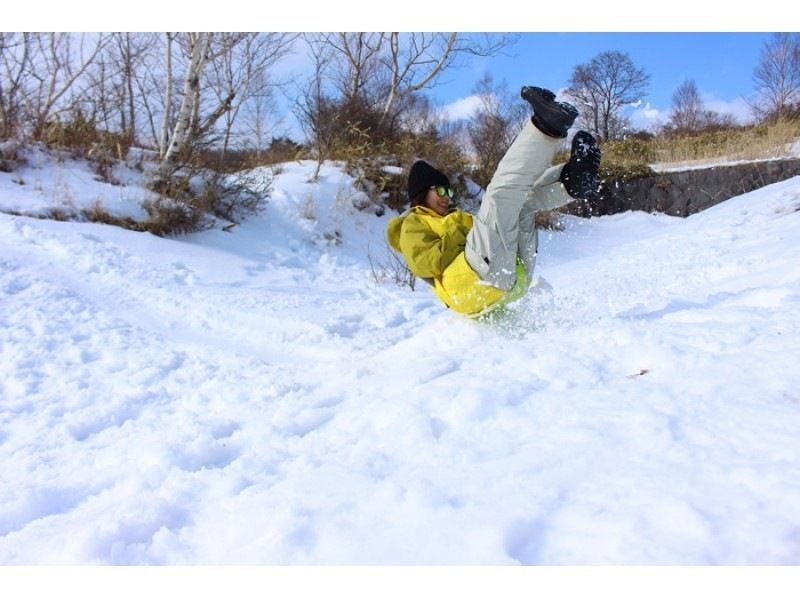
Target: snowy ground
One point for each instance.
(706, 164)
(44, 181)
(257, 397)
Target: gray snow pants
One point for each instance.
(523, 184)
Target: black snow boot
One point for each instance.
(581, 174)
(549, 116)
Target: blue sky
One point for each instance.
(721, 65)
(721, 62)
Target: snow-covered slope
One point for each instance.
(257, 397)
(46, 180)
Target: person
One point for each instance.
(477, 263)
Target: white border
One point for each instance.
(400, 582)
(403, 15)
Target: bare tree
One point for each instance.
(181, 138)
(777, 77)
(415, 61)
(166, 117)
(493, 127)
(202, 121)
(241, 72)
(358, 61)
(380, 71)
(57, 66)
(689, 114)
(688, 111)
(131, 50)
(114, 95)
(415, 65)
(104, 102)
(257, 112)
(602, 88)
(205, 99)
(312, 106)
(15, 51)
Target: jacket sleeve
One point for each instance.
(426, 253)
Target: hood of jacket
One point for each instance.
(396, 223)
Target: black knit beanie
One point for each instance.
(423, 176)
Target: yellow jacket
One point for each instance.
(433, 246)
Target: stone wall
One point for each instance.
(687, 192)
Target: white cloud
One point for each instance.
(461, 109)
(738, 107)
(647, 117)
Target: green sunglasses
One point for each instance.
(442, 191)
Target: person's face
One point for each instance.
(438, 199)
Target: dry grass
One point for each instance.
(390, 266)
(161, 223)
(751, 143)
(10, 155)
(631, 158)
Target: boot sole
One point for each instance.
(555, 114)
(586, 184)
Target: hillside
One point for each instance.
(256, 396)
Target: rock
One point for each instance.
(687, 192)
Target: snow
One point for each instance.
(256, 396)
(705, 165)
(46, 181)
(395, 170)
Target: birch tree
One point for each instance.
(166, 117)
(190, 123)
(198, 44)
